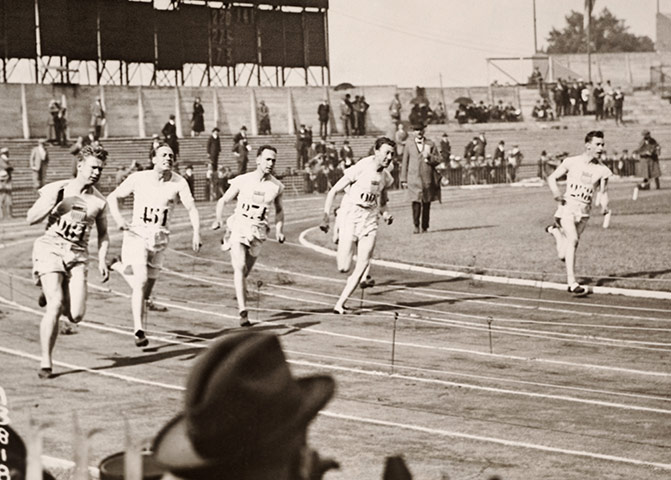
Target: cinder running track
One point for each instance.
(466, 378)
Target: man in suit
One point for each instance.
(39, 159)
(324, 112)
(97, 117)
(346, 115)
(303, 142)
(170, 135)
(241, 150)
(214, 148)
(419, 176)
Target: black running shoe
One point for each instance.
(45, 373)
(155, 307)
(244, 320)
(367, 283)
(577, 289)
(141, 339)
(68, 328)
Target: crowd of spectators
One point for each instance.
(573, 97)
(470, 112)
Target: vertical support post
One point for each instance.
(104, 106)
(215, 110)
(38, 43)
(253, 116)
(140, 114)
(489, 329)
(24, 113)
(393, 343)
(178, 111)
(291, 127)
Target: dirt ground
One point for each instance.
(466, 379)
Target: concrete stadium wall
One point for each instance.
(277, 101)
(629, 70)
(121, 111)
(134, 111)
(10, 106)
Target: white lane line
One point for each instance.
(412, 345)
(373, 421)
(489, 278)
(499, 441)
(442, 321)
(355, 370)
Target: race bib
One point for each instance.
(157, 216)
(254, 210)
(70, 230)
(580, 192)
(368, 198)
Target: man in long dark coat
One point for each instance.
(418, 174)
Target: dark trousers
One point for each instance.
(323, 129)
(423, 210)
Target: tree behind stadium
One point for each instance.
(609, 34)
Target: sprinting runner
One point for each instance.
(146, 237)
(248, 228)
(584, 173)
(368, 180)
(60, 256)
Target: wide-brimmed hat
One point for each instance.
(241, 403)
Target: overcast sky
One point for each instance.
(411, 42)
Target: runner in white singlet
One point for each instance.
(146, 236)
(248, 227)
(60, 256)
(368, 181)
(584, 174)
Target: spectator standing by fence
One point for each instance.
(618, 102)
(6, 170)
(598, 101)
(214, 148)
(97, 116)
(39, 160)
(241, 150)
(197, 118)
(263, 114)
(346, 115)
(360, 110)
(515, 158)
(395, 108)
(324, 113)
(303, 142)
(648, 152)
(445, 149)
(169, 132)
(53, 133)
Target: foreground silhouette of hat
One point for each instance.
(241, 404)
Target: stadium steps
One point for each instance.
(122, 151)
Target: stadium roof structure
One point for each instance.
(174, 42)
(319, 4)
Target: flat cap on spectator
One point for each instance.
(154, 136)
(646, 133)
(4, 150)
(215, 129)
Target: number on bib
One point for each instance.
(155, 216)
(368, 197)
